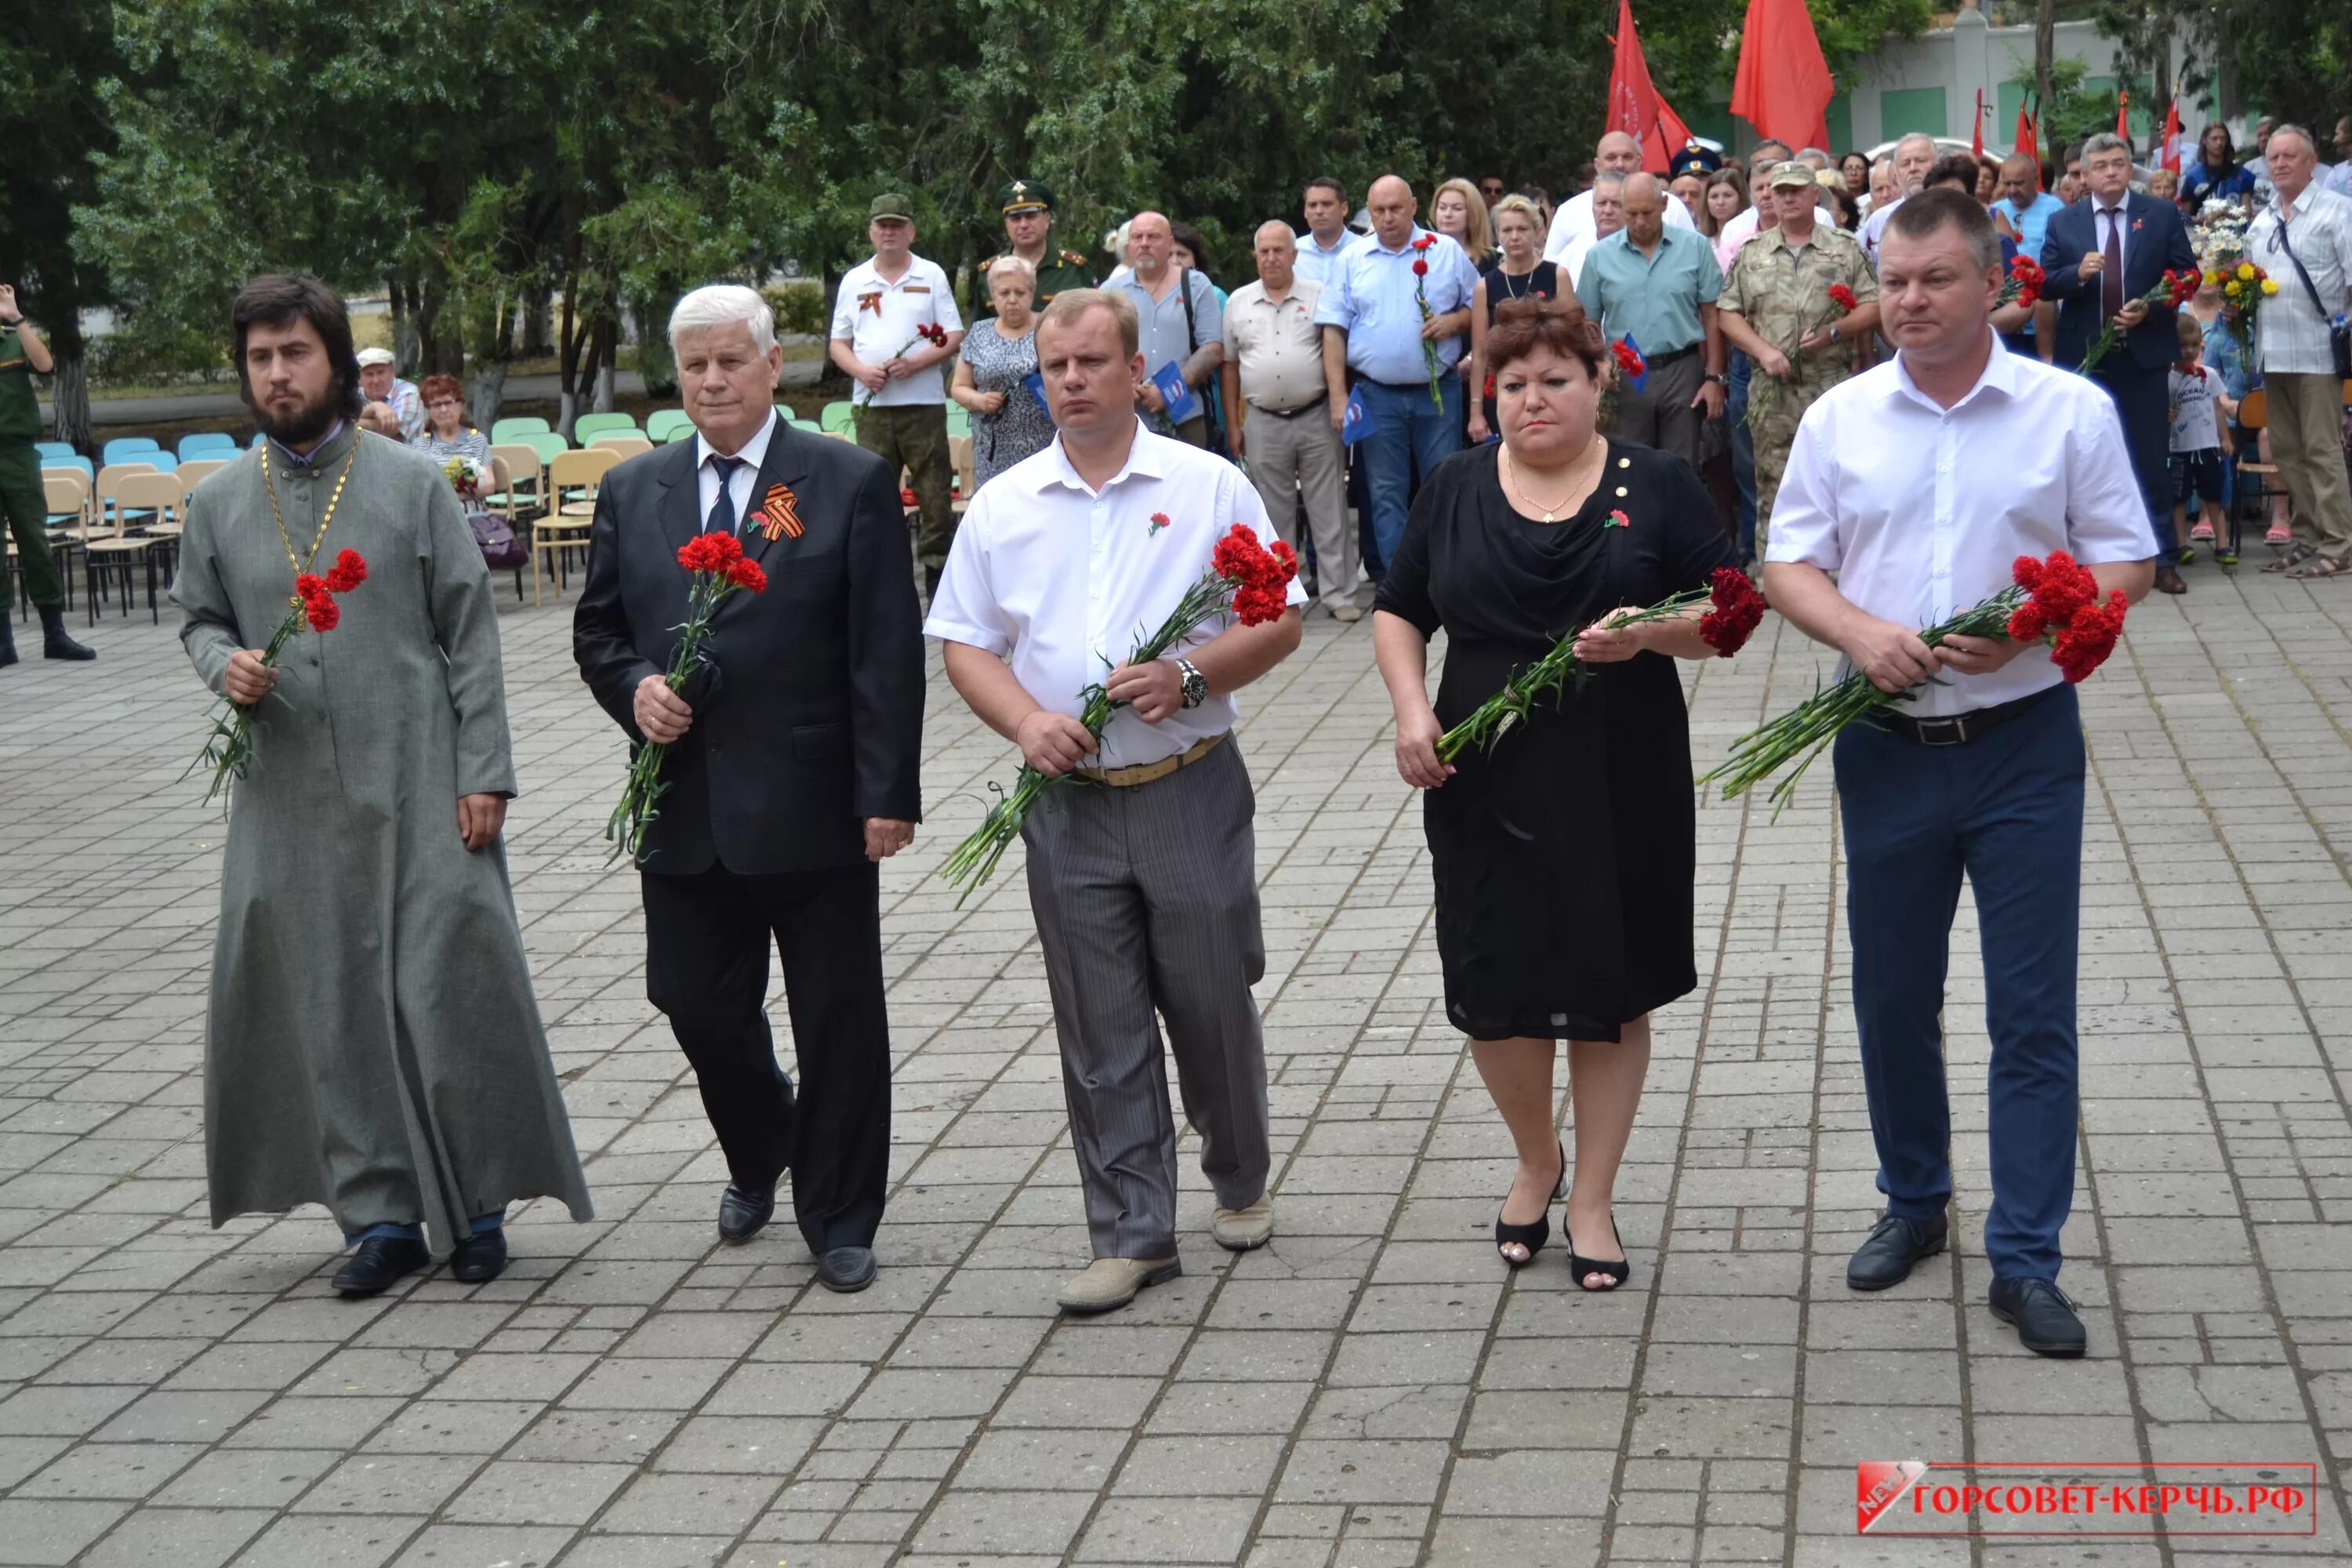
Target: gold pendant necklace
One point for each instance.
(1575, 480)
(302, 564)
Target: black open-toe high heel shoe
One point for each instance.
(1615, 1271)
(1531, 1236)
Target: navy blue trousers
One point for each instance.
(2006, 809)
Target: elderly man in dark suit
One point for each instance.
(791, 772)
(2103, 255)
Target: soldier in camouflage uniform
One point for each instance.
(1029, 226)
(1776, 308)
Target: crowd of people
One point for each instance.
(1529, 404)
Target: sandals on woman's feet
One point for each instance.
(1615, 1271)
(2278, 536)
(1532, 1238)
(2319, 566)
(2293, 558)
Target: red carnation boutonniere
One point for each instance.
(1158, 522)
(1618, 519)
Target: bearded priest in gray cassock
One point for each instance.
(372, 1044)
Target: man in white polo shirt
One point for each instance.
(902, 414)
(1891, 484)
(1574, 226)
(1144, 883)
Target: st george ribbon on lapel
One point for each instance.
(779, 513)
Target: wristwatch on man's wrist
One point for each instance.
(1717, 378)
(1196, 684)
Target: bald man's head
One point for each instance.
(1643, 197)
(1150, 244)
(1277, 254)
(1617, 153)
(1389, 202)
(2019, 179)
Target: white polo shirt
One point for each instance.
(1059, 581)
(1922, 509)
(1574, 220)
(879, 320)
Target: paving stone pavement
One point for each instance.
(1370, 1390)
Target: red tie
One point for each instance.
(2111, 276)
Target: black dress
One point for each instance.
(1564, 857)
(1543, 283)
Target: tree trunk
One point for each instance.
(401, 335)
(69, 392)
(567, 362)
(657, 361)
(608, 332)
(486, 392)
(2045, 47)
(535, 330)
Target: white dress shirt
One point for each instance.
(1018, 585)
(1313, 262)
(879, 320)
(739, 484)
(1574, 218)
(1922, 509)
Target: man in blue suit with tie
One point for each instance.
(2101, 256)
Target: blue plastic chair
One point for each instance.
(258, 439)
(162, 462)
(81, 465)
(208, 441)
(121, 447)
(54, 448)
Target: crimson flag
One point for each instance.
(2123, 115)
(1635, 106)
(1783, 86)
(1976, 136)
(2171, 156)
(2025, 141)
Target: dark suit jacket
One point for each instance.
(817, 720)
(2155, 241)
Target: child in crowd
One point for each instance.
(2201, 444)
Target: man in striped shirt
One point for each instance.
(2303, 238)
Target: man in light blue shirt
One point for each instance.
(2027, 208)
(1658, 286)
(1376, 313)
(1328, 234)
(1179, 323)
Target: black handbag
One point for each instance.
(1215, 432)
(2339, 334)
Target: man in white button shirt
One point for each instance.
(1143, 882)
(1573, 224)
(1919, 482)
(2302, 223)
(902, 416)
(1279, 394)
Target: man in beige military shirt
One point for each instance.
(1777, 308)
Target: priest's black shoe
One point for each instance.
(2042, 1315)
(55, 642)
(847, 1269)
(743, 1211)
(7, 638)
(380, 1262)
(1893, 1246)
(479, 1257)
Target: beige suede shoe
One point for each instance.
(1246, 1229)
(1112, 1282)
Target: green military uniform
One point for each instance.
(1056, 270)
(26, 506)
(1782, 293)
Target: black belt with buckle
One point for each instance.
(1652, 362)
(1959, 729)
(1315, 402)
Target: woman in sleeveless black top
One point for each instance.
(1520, 273)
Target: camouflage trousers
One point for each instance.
(1774, 430)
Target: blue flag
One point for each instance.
(1180, 405)
(1358, 422)
(1036, 386)
(1637, 382)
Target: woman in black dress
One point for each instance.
(1520, 272)
(1564, 857)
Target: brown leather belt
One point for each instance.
(1148, 772)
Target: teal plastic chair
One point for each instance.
(507, 432)
(588, 427)
(679, 433)
(662, 422)
(837, 416)
(546, 443)
(811, 426)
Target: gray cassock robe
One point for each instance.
(373, 1043)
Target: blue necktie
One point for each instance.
(722, 510)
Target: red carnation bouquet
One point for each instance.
(1764, 391)
(2025, 283)
(1734, 610)
(229, 748)
(2053, 601)
(1421, 297)
(1245, 579)
(716, 567)
(2175, 290)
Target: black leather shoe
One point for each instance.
(2042, 1315)
(847, 1269)
(56, 642)
(1894, 1247)
(2167, 581)
(380, 1261)
(479, 1257)
(743, 1212)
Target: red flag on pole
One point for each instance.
(2171, 155)
(2025, 141)
(1635, 106)
(1975, 137)
(2123, 114)
(1783, 86)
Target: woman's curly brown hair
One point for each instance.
(1524, 326)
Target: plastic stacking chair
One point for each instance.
(572, 481)
(45, 450)
(506, 430)
(588, 427)
(145, 528)
(205, 441)
(628, 443)
(661, 421)
(124, 446)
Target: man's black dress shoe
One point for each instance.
(1893, 1246)
(743, 1212)
(479, 1257)
(847, 1269)
(379, 1262)
(2040, 1313)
